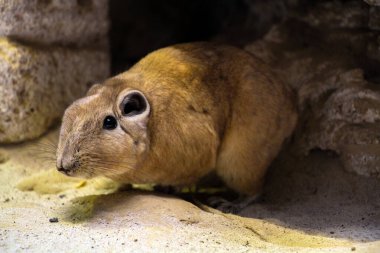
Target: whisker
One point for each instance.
(45, 150)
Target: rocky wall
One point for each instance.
(329, 52)
(51, 51)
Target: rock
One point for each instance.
(362, 159)
(337, 14)
(50, 51)
(348, 123)
(339, 107)
(374, 18)
(64, 22)
(39, 83)
(373, 50)
(373, 2)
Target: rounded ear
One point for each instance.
(134, 107)
(94, 89)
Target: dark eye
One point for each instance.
(109, 123)
(133, 104)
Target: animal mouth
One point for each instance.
(69, 173)
(69, 170)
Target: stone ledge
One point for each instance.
(63, 22)
(39, 83)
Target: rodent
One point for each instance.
(178, 114)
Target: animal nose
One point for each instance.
(60, 168)
(67, 166)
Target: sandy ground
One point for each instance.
(309, 205)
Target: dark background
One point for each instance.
(141, 26)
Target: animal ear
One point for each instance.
(134, 106)
(94, 89)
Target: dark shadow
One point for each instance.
(316, 195)
(142, 26)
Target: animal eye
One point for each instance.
(109, 123)
(133, 104)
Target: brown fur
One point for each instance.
(212, 108)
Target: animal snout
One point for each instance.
(67, 167)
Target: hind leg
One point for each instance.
(243, 159)
(247, 181)
(247, 185)
(242, 164)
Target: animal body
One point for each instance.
(178, 114)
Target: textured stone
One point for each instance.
(374, 18)
(373, 2)
(362, 159)
(348, 123)
(340, 109)
(373, 50)
(37, 85)
(338, 14)
(77, 22)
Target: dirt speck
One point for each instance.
(53, 220)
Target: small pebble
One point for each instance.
(53, 220)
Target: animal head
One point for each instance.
(104, 133)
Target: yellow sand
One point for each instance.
(53, 182)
